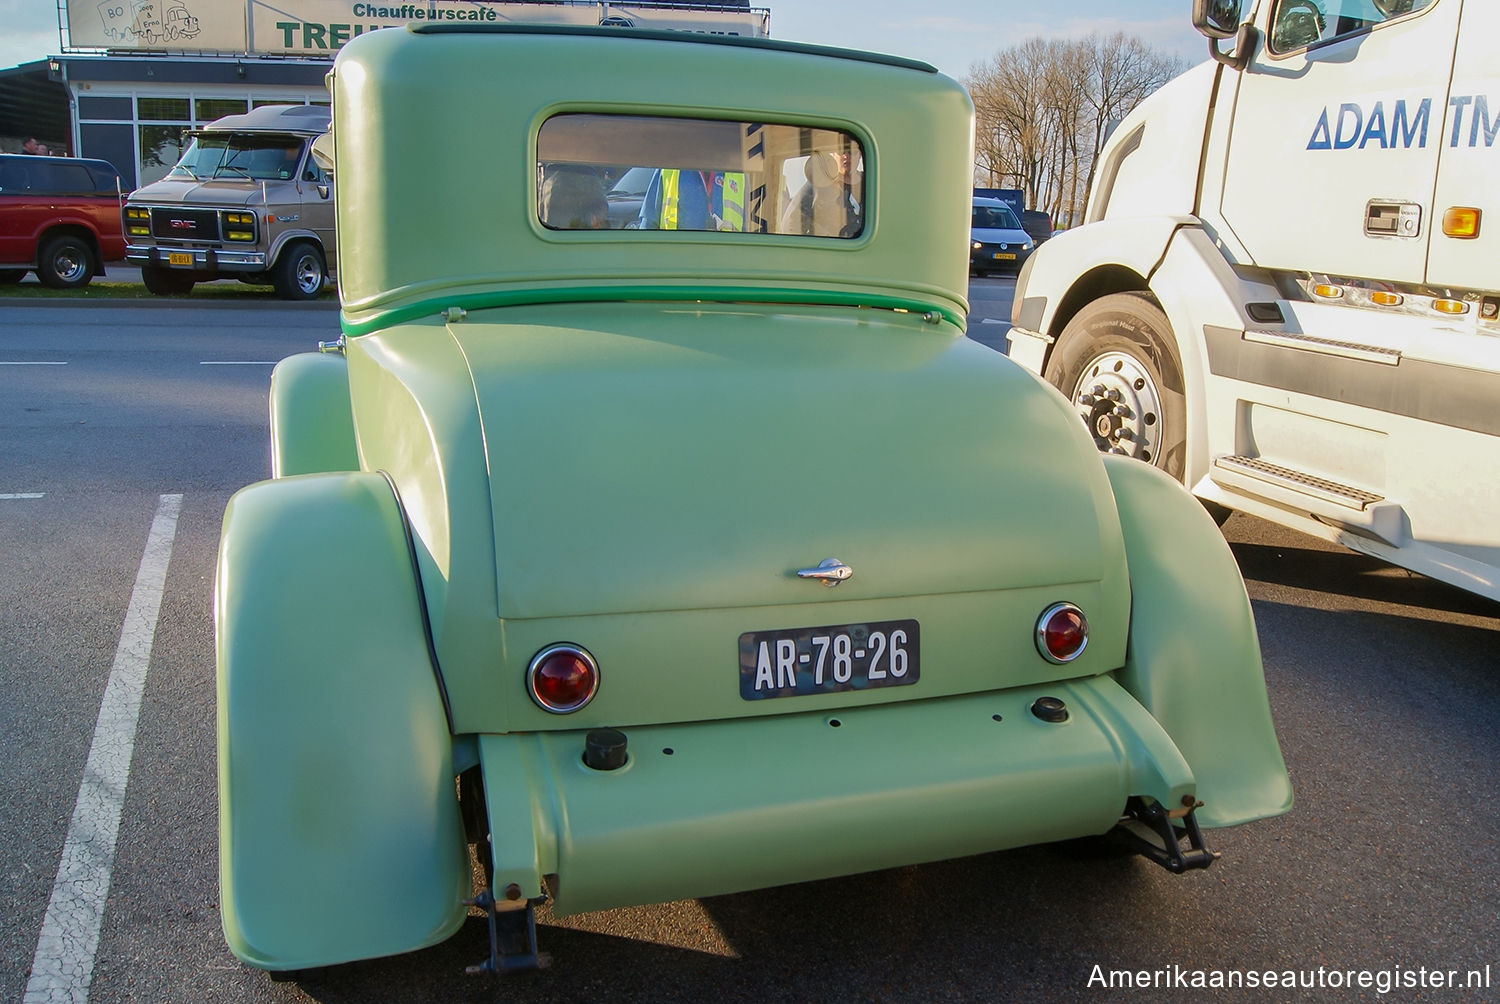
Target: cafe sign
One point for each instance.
(321, 27)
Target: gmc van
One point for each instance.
(246, 201)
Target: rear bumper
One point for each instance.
(710, 808)
(204, 259)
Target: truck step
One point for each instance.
(1299, 481)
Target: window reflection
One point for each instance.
(658, 173)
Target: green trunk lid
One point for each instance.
(651, 458)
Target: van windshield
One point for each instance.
(240, 155)
(994, 218)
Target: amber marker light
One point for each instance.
(1450, 306)
(562, 678)
(1327, 291)
(1461, 222)
(1062, 633)
(1385, 299)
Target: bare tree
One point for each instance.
(1044, 107)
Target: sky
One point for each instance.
(953, 35)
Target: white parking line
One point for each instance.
(22, 495)
(237, 362)
(69, 940)
(9, 363)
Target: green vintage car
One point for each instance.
(690, 555)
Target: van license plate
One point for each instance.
(1004, 256)
(791, 662)
(179, 258)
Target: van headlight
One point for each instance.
(238, 226)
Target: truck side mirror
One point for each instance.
(1217, 18)
(323, 190)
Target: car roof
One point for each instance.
(48, 159)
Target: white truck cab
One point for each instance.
(1287, 289)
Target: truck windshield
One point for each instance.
(659, 173)
(241, 155)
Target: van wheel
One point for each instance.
(1117, 363)
(11, 276)
(165, 282)
(65, 262)
(299, 273)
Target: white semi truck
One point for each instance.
(1287, 289)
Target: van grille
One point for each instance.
(185, 224)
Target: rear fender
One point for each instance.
(312, 422)
(340, 836)
(1194, 659)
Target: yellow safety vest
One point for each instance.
(733, 215)
(734, 200)
(669, 198)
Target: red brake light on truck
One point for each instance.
(1062, 633)
(562, 678)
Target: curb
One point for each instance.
(159, 302)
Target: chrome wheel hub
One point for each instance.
(309, 275)
(68, 265)
(1120, 404)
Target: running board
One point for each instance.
(1353, 509)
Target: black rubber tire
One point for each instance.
(65, 262)
(300, 273)
(1127, 324)
(165, 282)
(11, 276)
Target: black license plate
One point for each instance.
(824, 660)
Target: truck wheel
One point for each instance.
(65, 262)
(299, 273)
(164, 282)
(1117, 362)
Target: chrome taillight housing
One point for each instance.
(562, 678)
(1062, 633)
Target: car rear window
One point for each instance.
(659, 173)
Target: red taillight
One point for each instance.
(562, 678)
(1062, 633)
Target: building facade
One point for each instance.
(135, 77)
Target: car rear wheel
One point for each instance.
(299, 273)
(65, 262)
(165, 282)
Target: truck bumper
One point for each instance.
(709, 808)
(202, 259)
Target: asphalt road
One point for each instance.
(1384, 686)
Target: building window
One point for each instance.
(177, 109)
(161, 146)
(207, 109)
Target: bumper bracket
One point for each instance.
(512, 938)
(1149, 829)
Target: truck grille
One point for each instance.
(185, 224)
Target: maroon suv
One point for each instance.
(60, 217)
